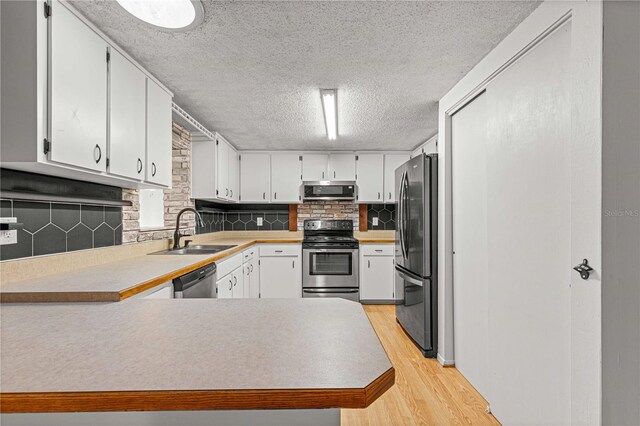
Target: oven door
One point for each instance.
(325, 268)
(342, 293)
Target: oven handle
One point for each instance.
(330, 290)
(309, 250)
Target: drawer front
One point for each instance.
(228, 264)
(280, 250)
(248, 254)
(377, 249)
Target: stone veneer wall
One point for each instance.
(328, 210)
(175, 199)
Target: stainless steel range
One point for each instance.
(330, 260)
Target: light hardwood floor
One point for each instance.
(425, 393)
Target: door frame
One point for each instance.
(586, 183)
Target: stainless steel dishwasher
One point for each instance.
(199, 284)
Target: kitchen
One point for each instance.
(352, 179)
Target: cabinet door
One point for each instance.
(254, 270)
(203, 170)
(234, 175)
(285, 178)
(225, 287)
(391, 163)
(127, 122)
(255, 178)
(222, 169)
(342, 167)
(78, 92)
(315, 167)
(280, 277)
(376, 278)
(159, 150)
(370, 179)
(237, 278)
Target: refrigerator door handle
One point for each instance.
(410, 279)
(404, 218)
(401, 215)
(330, 291)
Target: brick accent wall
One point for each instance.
(175, 199)
(328, 210)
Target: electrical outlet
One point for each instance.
(375, 221)
(8, 237)
(259, 220)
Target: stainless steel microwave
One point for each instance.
(329, 190)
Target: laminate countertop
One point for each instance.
(119, 280)
(190, 354)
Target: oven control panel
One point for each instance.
(321, 225)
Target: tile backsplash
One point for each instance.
(386, 214)
(242, 217)
(59, 227)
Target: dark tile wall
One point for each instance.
(248, 221)
(54, 227)
(213, 222)
(242, 217)
(386, 214)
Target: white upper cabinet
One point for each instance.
(315, 167)
(342, 167)
(127, 132)
(391, 163)
(159, 150)
(203, 169)
(286, 178)
(255, 178)
(222, 169)
(370, 179)
(234, 175)
(78, 93)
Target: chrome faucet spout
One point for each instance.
(176, 234)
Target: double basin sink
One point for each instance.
(198, 249)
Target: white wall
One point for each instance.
(586, 145)
(621, 209)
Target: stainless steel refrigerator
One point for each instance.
(416, 254)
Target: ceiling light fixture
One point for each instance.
(171, 15)
(330, 109)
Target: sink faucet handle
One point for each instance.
(187, 242)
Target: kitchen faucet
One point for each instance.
(176, 234)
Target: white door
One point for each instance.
(528, 239)
(78, 92)
(127, 118)
(237, 278)
(234, 175)
(315, 167)
(255, 178)
(470, 261)
(342, 167)
(370, 178)
(203, 170)
(159, 135)
(377, 275)
(254, 270)
(222, 169)
(225, 287)
(285, 178)
(280, 277)
(391, 163)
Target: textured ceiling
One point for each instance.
(252, 70)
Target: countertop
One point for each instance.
(190, 354)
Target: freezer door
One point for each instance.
(414, 312)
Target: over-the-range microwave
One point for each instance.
(329, 190)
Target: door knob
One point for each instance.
(584, 269)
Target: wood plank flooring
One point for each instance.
(425, 393)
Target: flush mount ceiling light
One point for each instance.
(171, 15)
(330, 108)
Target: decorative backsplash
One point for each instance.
(55, 227)
(328, 210)
(386, 214)
(242, 217)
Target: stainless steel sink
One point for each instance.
(200, 249)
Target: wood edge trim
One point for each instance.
(379, 386)
(59, 297)
(376, 240)
(362, 219)
(61, 402)
(293, 217)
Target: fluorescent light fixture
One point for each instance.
(330, 109)
(166, 14)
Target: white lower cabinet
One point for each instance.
(280, 271)
(163, 291)
(230, 278)
(250, 273)
(376, 273)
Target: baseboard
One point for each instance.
(446, 363)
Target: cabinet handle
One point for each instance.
(248, 271)
(251, 266)
(231, 193)
(378, 195)
(389, 195)
(139, 165)
(99, 150)
(334, 174)
(227, 193)
(293, 264)
(153, 169)
(278, 251)
(230, 284)
(378, 251)
(275, 195)
(369, 264)
(264, 195)
(235, 280)
(322, 175)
